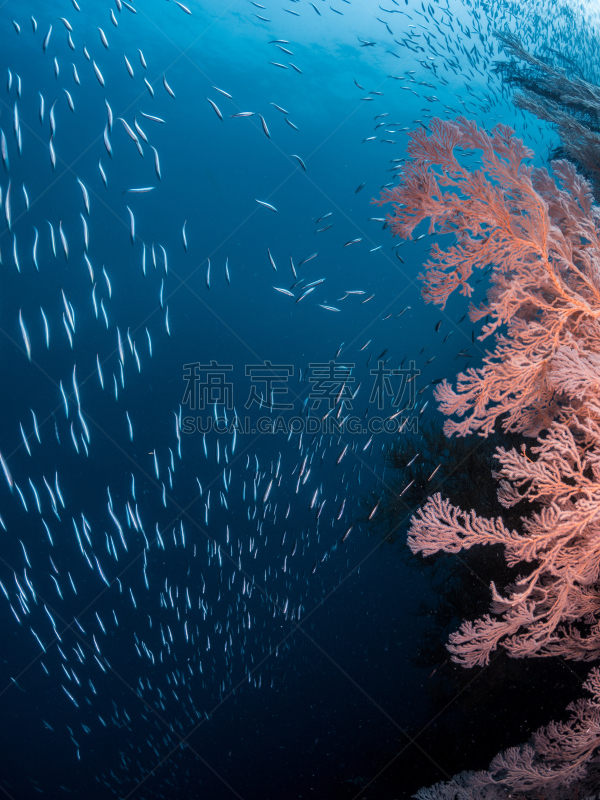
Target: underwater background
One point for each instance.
(202, 610)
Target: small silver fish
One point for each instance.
(156, 163)
(167, 87)
(132, 225)
(216, 109)
(182, 7)
(99, 75)
(302, 164)
(264, 125)
(149, 116)
(266, 205)
(47, 39)
(70, 100)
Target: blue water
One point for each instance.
(310, 691)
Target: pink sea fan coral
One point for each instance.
(538, 235)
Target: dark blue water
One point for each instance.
(307, 688)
